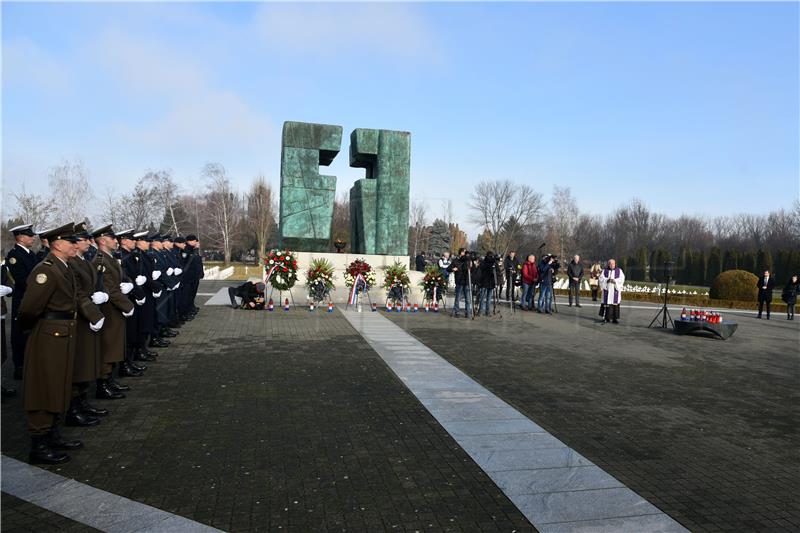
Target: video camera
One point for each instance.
(555, 265)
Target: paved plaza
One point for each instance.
(299, 421)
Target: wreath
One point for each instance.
(359, 266)
(433, 279)
(319, 279)
(396, 281)
(283, 265)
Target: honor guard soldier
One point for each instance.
(129, 261)
(116, 310)
(197, 271)
(6, 288)
(20, 261)
(89, 285)
(44, 249)
(159, 277)
(50, 309)
(173, 257)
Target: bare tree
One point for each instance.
(223, 208)
(34, 209)
(261, 213)
(418, 220)
(71, 191)
(165, 194)
(563, 219)
(494, 203)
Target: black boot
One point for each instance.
(167, 332)
(56, 442)
(142, 355)
(41, 453)
(77, 418)
(116, 385)
(105, 392)
(151, 353)
(128, 371)
(157, 342)
(9, 392)
(89, 409)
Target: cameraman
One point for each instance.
(252, 295)
(511, 266)
(460, 268)
(488, 270)
(547, 272)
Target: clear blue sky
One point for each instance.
(691, 107)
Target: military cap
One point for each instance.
(179, 239)
(141, 236)
(125, 234)
(105, 231)
(24, 229)
(168, 237)
(81, 231)
(155, 237)
(191, 237)
(65, 232)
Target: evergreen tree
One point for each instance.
(641, 264)
(749, 261)
(699, 268)
(763, 261)
(439, 237)
(714, 265)
(688, 270)
(730, 260)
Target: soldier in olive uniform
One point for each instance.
(20, 261)
(50, 309)
(89, 285)
(116, 310)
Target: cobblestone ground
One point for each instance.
(707, 430)
(275, 421)
(20, 516)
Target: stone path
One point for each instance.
(555, 488)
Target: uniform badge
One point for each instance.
(101, 268)
(12, 261)
(41, 278)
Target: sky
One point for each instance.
(691, 107)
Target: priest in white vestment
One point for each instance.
(611, 281)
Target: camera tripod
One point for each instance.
(664, 311)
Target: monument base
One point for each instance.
(340, 263)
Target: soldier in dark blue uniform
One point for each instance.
(160, 268)
(194, 269)
(174, 274)
(20, 261)
(130, 259)
(6, 289)
(44, 249)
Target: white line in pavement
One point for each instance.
(88, 505)
(556, 488)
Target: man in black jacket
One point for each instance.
(252, 295)
(575, 275)
(511, 266)
(766, 284)
(460, 268)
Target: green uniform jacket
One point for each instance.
(50, 350)
(112, 336)
(88, 360)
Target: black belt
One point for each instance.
(60, 315)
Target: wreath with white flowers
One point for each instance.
(319, 279)
(283, 265)
(359, 266)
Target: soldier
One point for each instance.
(50, 307)
(129, 260)
(6, 288)
(91, 252)
(116, 310)
(44, 249)
(174, 272)
(159, 264)
(20, 261)
(89, 285)
(183, 259)
(138, 268)
(197, 271)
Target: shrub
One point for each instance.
(735, 285)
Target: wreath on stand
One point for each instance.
(283, 265)
(359, 266)
(319, 280)
(433, 281)
(396, 282)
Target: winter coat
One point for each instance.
(459, 267)
(789, 294)
(487, 273)
(574, 270)
(530, 273)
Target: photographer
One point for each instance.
(460, 268)
(511, 266)
(575, 274)
(547, 273)
(252, 295)
(488, 271)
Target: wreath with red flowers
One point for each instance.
(283, 265)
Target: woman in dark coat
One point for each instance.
(790, 296)
(487, 282)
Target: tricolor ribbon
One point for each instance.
(269, 274)
(434, 292)
(354, 289)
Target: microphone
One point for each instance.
(542, 245)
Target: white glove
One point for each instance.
(97, 325)
(140, 280)
(5, 291)
(140, 302)
(157, 294)
(125, 287)
(129, 313)
(178, 271)
(99, 298)
(156, 274)
(170, 271)
(176, 285)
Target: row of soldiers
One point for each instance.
(87, 309)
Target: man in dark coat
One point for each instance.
(49, 309)
(766, 284)
(20, 261)
(420, 262)
(512, 267)
(575, 275)
(460, 268)
(252, 295)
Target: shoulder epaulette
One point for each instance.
(47, 262)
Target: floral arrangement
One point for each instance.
(396, 282)
(319, 279)
(433, 278)
(359, 266)
(284, 275)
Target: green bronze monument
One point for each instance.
(378, 203)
